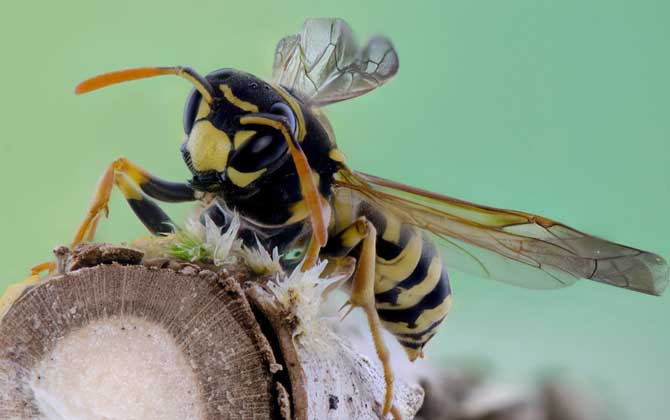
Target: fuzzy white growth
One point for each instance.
(219, 245)
(259, 259)
(117, 369)
(198, 242)
(303, 293)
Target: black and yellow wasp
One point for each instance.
(266, 151)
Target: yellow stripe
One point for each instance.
(410, 297)
(390, 273)
(203, 110)
(297, 110)
(230, 96)
(343, 209)
(242, 136)
(392, 230)
(424, 338)
(242, 179)
(299, 210)
(425, 320)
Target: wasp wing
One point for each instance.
(512, 246)
(323, 64)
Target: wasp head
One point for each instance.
(222, 152)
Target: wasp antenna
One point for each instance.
(121, 76)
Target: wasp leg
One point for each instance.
(363, 292)
(134, 182)
(14, 291)
(155, 219)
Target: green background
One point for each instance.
(555, 107)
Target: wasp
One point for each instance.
(266, 151)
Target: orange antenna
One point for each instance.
(121, 76)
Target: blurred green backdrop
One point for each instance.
(559, 108)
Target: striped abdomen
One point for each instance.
(411, 284)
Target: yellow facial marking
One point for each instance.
(230, 96)
(242, 136)
(203, 111)
(337, 155)
(242, 179)
(209, 147)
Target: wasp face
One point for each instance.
(223, 154)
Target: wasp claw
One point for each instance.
(346, 314)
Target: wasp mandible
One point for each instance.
(266, 151)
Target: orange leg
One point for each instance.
(363, 296)
(133, 182)
(14, 291)
(50, 267)
(100, 200)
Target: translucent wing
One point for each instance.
(323, 64)
(512, 246)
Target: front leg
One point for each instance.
(136, 184)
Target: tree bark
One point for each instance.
(237, 338)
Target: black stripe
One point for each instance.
(172, 192)
(411, 344)
(152, 216)
(430, 301)
(389, 296)
(417, 276)
(419, 335)
(387, 250)
(373, 215)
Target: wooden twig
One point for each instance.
(239, 345)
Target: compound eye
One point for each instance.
(259, 152)
(191, 110)
(285, 111)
